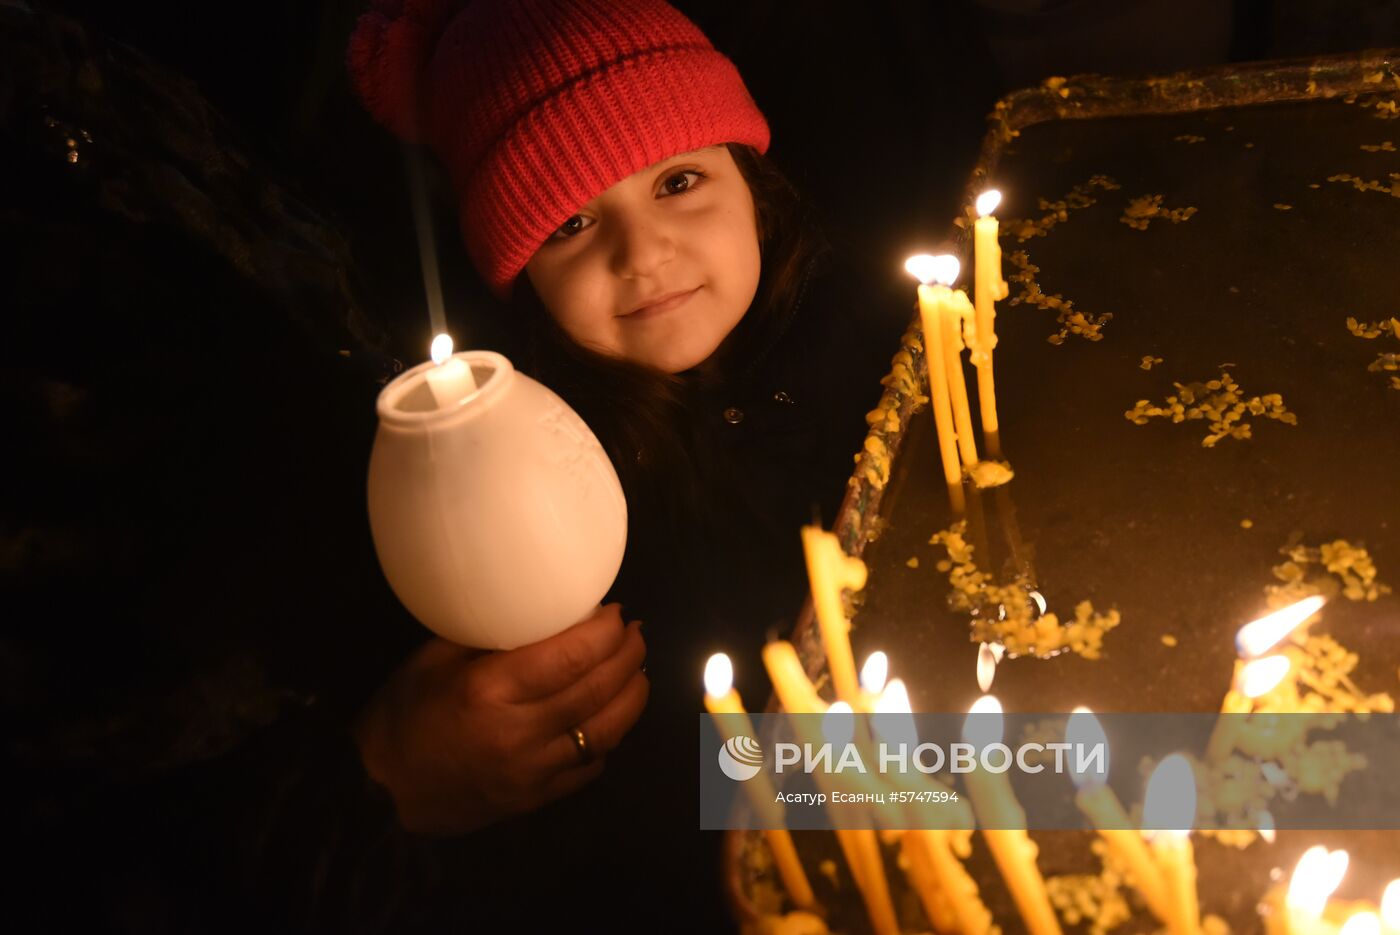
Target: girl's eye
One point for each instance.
(681, 182)
(572, 226)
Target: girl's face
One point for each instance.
(659, 268)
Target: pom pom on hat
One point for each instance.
(537, 106)
(388, 60)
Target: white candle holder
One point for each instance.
(498, 519)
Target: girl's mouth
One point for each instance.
(661, 304)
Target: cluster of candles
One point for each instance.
(950, 323)
(1306, 910)
(1161, 864)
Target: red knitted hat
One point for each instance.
(537, 106)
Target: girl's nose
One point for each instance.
(641, 249)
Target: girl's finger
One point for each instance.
(591, 694)
(545, 668)
(607, 727)
(604, 730)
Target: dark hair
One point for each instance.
(643, 416)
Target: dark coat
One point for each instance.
(774, 441)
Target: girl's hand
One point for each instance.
(461, 738)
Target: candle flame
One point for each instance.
(1262, 676)
(942, 269)
(1363, 923)
(894, 699)
(839, 724)
(1266, 827)
(1390, 904)
(719, 676)
(983, 724)
(987, 202)
(1260, 636)
(441, 348)
(946, 268)
(1171, 797)
(922, 267)
(874, 673)
(1315, 879)
(986, 667)
(998, 650)
(894, 717)
(1083, 729)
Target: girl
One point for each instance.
(664, 279)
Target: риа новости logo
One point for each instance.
(741, 758)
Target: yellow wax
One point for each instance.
(856, 847)
(872, 879)
(1299, 925)
(973, 916)
(860, 848)
(1178, 862)
(1334, 916)
(829, 570)
(1105, 811)
(1012, 848)
(790, 682)
(790, 868)
(793, 923)
(876, 889)
(953, 308)
(953, 888)
(762, 796)
(988, 289)
(1340, 911)
(1227, 729)
(925, 879)
(1281, 920)
(931, 315)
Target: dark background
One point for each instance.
(877, 107)
(199, 309)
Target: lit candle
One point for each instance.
(829, 570)
(860, 845)
(721, 698)
(986, 667)
(1362, 923)
(1097, 801)
(790, 683)
(995, 804)
(451, 381)
(988, 289)
(947, 877)
(873, 675)
(914, 849)
(1266, 827)
(927, 269)
(1252, 679)
(974, 918)
(1318, 874)
(1390, 908)
(1259, 636)
(797, 696)
(894, 723)
(957, 310)
(1171, 805)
